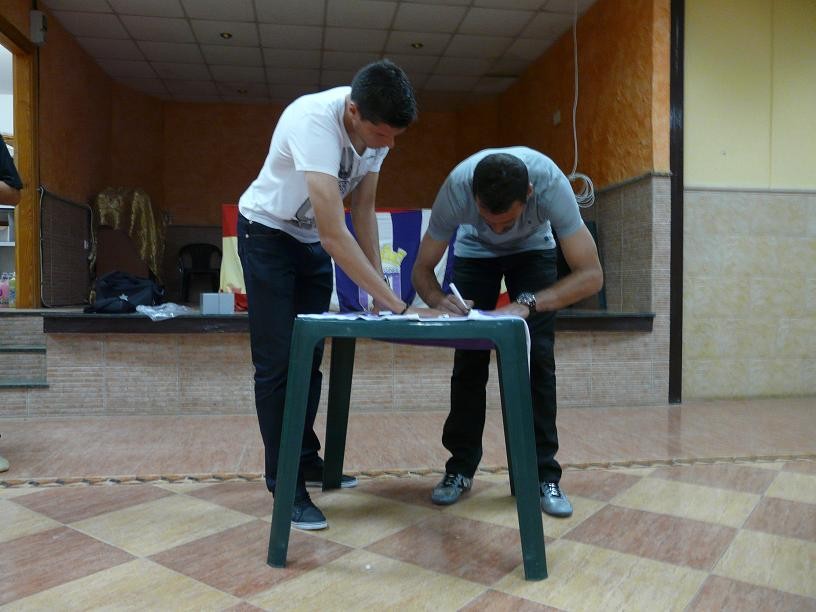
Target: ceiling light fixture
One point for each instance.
(226, 35)
(417, 45)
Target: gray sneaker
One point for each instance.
(554, 501)
(307, 516)
(313, 475)
(450, 488)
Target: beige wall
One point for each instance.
(749, 231)
(750, 94)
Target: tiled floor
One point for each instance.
(701, 507)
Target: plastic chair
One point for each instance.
(199, 259)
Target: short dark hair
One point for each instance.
(383, 94)
(499, 180)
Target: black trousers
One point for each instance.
(480, 280)
(283, 278)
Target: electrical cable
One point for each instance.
(586, 196)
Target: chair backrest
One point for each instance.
(199, 257)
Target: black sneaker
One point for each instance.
(554, 501)
(450, 488)
(307, 516)
(313, 475)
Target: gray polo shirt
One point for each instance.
(551, 206)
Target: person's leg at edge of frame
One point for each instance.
(478, 280)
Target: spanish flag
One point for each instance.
(232, 275)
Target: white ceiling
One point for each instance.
(281, 49)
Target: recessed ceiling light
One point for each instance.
(417, 45)
(226, 35)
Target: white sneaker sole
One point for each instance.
(310, 526)
(314, 484)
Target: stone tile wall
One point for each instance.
(749, 293)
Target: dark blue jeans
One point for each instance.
(480, 280)
(283, 278)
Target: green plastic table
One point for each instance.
(507, 335)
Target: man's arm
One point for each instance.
(364, 219)
(341, 245)
(8, 194)
(585, 278)
(424, 278)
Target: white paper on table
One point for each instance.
(473, 315)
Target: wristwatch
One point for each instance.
(527, 299)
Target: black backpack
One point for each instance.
(120, 292)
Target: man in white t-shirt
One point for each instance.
(292, 223)
(504, 205)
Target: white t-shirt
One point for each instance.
(309, 137)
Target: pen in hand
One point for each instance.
(459, 297)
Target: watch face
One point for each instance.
(527, 299)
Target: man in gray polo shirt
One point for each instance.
(503, 205)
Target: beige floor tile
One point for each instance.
(19, 521)
(691, 501)
(362, 580)
(768, 560)
(497, 506)
(10, 492)
(500, 478)
(794, 486)
(357, 519)
(151, 527)
(137, 585)
(584, 577)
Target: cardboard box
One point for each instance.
(217, 303)
(226, 303)
(209, 303)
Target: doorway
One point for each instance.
(23, 54)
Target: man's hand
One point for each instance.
(450, 304)
(513, 308)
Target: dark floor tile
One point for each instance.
(802, 467)
(474, 550)
(75, 503)
(47, 559)
(783, 517)
(656, 536)
(602, 485)
(247, 497)
(726, 595)
(731, 476)
(415, 491)
(496, 601)
(235, 560)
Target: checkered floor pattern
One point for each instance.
(697, 536)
